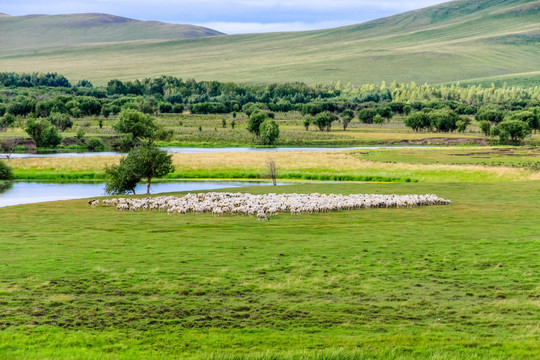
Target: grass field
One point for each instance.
(447, 282)
(401, 165)
(207, 131)
(422, 46)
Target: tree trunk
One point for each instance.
(148, 186)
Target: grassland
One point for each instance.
(28, 33)
(400, 165)
(422, 46)
(455, 282)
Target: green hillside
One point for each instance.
(454, 41)
(31, 32)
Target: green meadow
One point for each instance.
(422, 46)
(443, 282)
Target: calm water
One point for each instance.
(195, 150)
(33, 192)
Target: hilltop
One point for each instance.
(455, 41)
(42, 31)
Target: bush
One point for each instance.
(165, 108)
(5, 171)
(124, 142)
(324, 120)
(463, 123)
(418, 121)
(178, 108)
(307, 120)
(443, 120)
(95, 144)
(269, 132)
(43, 133)
(61, 121)
(490, 114)
(514, 130)
(378, 119)
(255, 121)
(485, 127)
(135, 123)
(7, 121)
(366, 115)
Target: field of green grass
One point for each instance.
(29, 33)
(445, 282)
(455, 41)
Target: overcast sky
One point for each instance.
(231, 17)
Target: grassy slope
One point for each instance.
(33, 32)
(456, 282)
(455, 41)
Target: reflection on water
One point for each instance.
(5, 186)
(32, 192)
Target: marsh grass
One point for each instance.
(331, 165)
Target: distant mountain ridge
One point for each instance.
(39, 31)
(463, 40)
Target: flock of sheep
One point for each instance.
(263, 206)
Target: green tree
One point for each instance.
(485, 127)
(269, 132)
(463, 123)
(514, 130)
(143, 162)
(43, 133)
(366, 115)
(490, 114)
(324, 120)
(443, 120)
(346, 118)
(307, 120)
(7, 121)
(137, 124)
(255, 121)
(418, 121)
(5, 171)
(61, 121)
(378, 119)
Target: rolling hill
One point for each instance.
(31, 32)
(460, 40)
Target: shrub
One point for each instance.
(366, 115)
(135, 123)
(43, 133)
(307, 120)
(61, 121)
(5, 171)
(324, 120)
(7, 121)
(178, 108)
(378, 119)
(269, 132)
(255, 121)
(95, 144)
(485, 127)
(514, 130)
(490, 114)
(443, 120)
(463, 123)
(418, 121)
(165, 108)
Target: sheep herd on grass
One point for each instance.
(266, 205)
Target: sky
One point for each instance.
(229, 16)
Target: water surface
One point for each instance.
(22, 192)
(196, 150)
